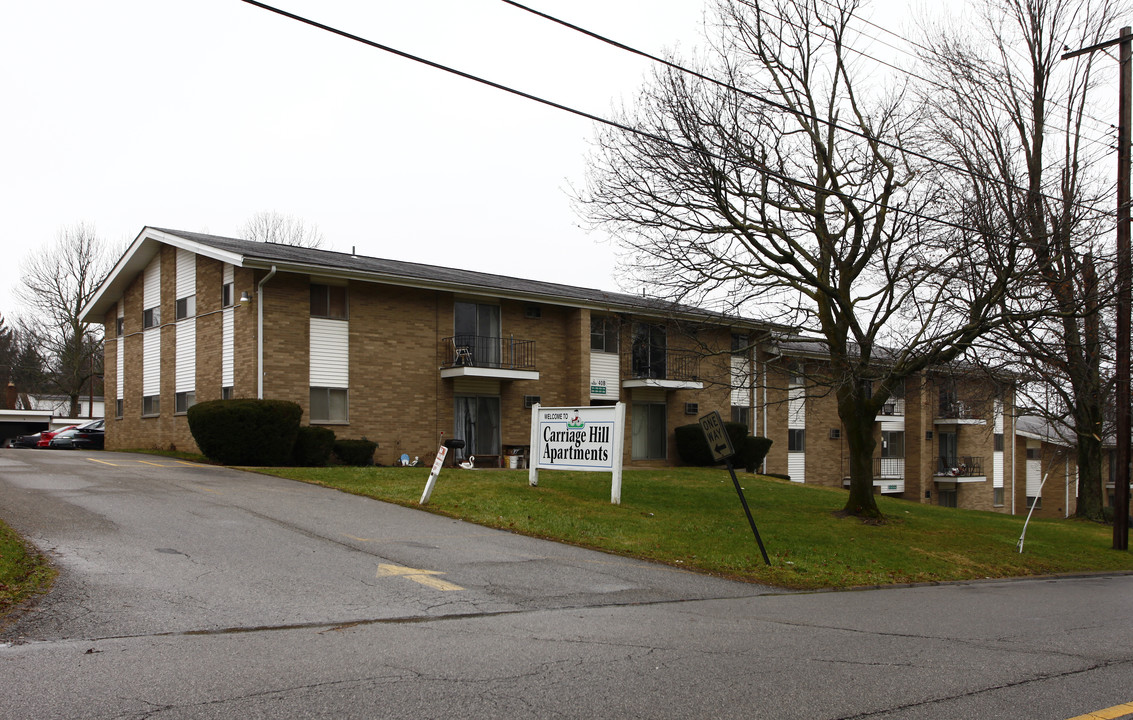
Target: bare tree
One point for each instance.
(1012, 113)
(787, 188)
(56, 283)
(274, 227)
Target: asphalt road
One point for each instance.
(199, 592)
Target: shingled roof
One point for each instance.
(289, 258)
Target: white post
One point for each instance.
(437, 465)
(533, 461)
(619, 444)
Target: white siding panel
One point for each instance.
(796, 466)
(186, 377)
(330, 353)
(120, 358)
(151, 284)
(227, 347)
(1034, 471)
(186, 274)
(893, 423)
(151, 362)
(741, 381)
(796, 408)
(998, 417)
(997, 469)
(604, 368)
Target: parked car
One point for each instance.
(26, 441)
(88, 436)
(46, 435)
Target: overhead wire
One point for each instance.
(785, 108)
(591, 116)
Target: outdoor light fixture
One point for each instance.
(245, 297)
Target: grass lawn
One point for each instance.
(692, 518)
(23, 572)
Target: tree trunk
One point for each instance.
(858, 422)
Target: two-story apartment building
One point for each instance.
(404, 354)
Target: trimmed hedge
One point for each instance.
(355, 452)
(692, 448)
(313, 446)
(246, 431)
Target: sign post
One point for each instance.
(589, 439)
(437, 465)
(721, 446)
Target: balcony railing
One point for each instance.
(488, 352)
(959, 466)
(670, 365)
(895, 406)
(889, 467)
(958, 410)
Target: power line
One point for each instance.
(598, 119)
(785, 108)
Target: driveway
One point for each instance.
(192, 591)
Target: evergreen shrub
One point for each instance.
(246, 431)
(355, 452)
(313, 446)
(692, 448)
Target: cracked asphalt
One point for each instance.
(199, 592)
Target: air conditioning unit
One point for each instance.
(835, 433)
(529, 401)
(692, 408)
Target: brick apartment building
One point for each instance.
(410, 355)
(406, 355)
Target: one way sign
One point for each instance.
(717, 436)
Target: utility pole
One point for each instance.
(1124, 283)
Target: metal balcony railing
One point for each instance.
(959, 466)
(958, 410)
(489, 352)
(670, 365)
(889, 467)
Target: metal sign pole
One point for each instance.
(720, 444)
(747, 511)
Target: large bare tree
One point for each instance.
(790, 186)
(274, 227)
(1017, 118)
(57, 281)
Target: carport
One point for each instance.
(22, 422)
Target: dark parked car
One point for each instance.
(26, 441)
(88, 436)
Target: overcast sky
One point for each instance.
(196, 115)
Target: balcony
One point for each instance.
(888, 467)
(958, 412)
(488, 357)
(667, 369)
(895, 407)
(961, 468)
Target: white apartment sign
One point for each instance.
(588, 439)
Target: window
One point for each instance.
(1034, 453)
(226, 295)
(120, 327)
(533, 312)
(998, 442)
(604, 334)
(476, 326)
(183, 401)
(226, 393)
(741, 344)
(796, 374)
(328, 405)
(649, 431)
(946, 498)
(649, 351)
(998, 497)
(328, 301)
(151, 317)
(186, 307)
(118, 408)
(892, 443)
(796, 440)
(477, 423)
(151, 405)
(742, 414)
(1037, 502)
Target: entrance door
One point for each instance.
(477, 327)
(477, 423)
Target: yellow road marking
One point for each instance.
(182, 462)
(103, 462)
(424, 577)
(1107, 714)
(147, 462)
